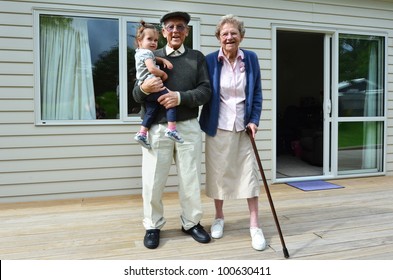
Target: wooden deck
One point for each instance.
(355, 222)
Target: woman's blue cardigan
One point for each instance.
(253, 107)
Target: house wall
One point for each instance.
(64, 161)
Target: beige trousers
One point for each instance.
(156, 164)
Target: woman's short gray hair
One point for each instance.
(232, 20)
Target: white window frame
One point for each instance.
(122, 19)
(336, 119)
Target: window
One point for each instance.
(361, 101)
(79, 68)
(81, 77)
(361, 76)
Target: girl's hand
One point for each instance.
(166, 63)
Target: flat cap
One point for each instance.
(169, 15)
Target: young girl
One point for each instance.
(146, 67)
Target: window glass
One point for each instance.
(360, 146)
(79, 68)
(361, 76)
(361, 94)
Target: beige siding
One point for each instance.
(43, 162)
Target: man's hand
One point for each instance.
(169, 100)
(152, 85)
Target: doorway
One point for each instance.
(299, 105)
(330, 105)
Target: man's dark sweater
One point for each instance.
(189, 76)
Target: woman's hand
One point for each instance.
(252, 129)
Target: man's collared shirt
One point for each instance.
(171, 52)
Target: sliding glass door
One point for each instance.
(330, 105)
(360, 104)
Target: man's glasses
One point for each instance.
(171, 27)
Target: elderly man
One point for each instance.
(189, 87)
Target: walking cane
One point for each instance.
(284, 248)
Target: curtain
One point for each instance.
(370, 109)
(67, 91)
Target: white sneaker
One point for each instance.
(217, 228)
(258, 240)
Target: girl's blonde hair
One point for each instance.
(140, 32)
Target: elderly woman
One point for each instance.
(236, 103)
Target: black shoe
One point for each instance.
(198, 233)
(152, 238)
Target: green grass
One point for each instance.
(351, 134)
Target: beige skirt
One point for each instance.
(231, 168)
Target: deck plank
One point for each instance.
(355, 222)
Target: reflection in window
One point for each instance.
(79, 68)
(360, 146)
(361, 94)
(361, 75)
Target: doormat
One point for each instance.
(316, 185)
